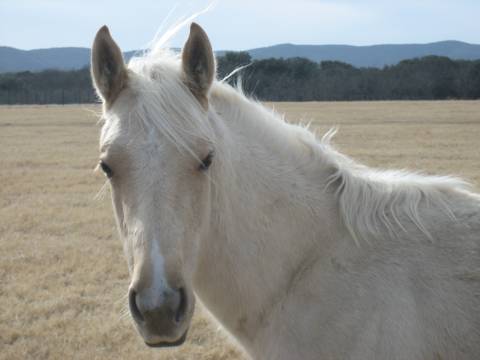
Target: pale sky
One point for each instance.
(240, 24)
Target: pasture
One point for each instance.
(62, 272)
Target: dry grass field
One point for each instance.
(62, 272)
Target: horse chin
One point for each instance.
(162, 344)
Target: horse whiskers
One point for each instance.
(125, 309)
(100, 195)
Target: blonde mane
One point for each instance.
(373, 202)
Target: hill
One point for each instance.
(71, 58)
(370, 56)
(65, 58)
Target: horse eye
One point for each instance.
(206, 162)
(106, 169)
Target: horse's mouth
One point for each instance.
(161, 344)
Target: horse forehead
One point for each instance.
(111, 133)
(123, 128)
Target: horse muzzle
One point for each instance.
(164, 320)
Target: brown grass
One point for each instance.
(62, 272)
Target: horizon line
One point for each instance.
(262, 47)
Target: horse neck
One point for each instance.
(270, 213)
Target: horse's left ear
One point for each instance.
(198, 63)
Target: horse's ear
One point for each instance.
(108, 69)
(198, 63)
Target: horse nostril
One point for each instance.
(132, 302)
(182, 306)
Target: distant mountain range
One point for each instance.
(69, 58)
(373, 55)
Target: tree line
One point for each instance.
(299, 79)
(47, 87)
(295, 79)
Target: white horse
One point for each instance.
(298, 251)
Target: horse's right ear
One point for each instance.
(109, 72)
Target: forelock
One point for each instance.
(164, 103)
